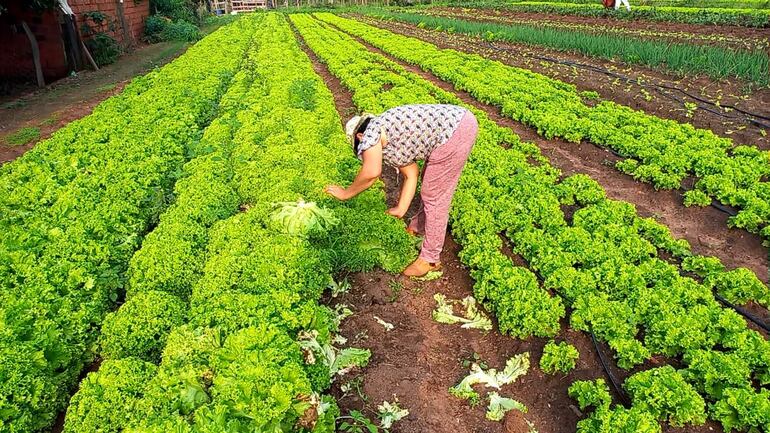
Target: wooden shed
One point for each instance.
(221, 7)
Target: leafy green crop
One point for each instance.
(76, 207)
(558, 357)
(665, 394)
(605, 261)
(604, 418)
(255, 351)
(659, 151)
(682, 57)
(22, 136)
(108, 399)
(691, 15)
(139, 328)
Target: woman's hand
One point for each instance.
(396, 212)
(337, 192)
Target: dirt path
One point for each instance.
(419, 359)
(75, 97)
(641, 91)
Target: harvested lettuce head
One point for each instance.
(302, 218)
(499, 406)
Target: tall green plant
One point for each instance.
(177, 9)
(681, 58)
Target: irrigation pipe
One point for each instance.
(602, 359)
(743, 312)
(613, 379)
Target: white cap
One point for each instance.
(352, 126)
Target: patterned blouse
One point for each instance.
(412, 131)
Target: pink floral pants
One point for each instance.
(439, 181)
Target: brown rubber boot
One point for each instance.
(420, 267)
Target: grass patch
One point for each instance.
(13, 104)
(106, 88)
(50, 121)
(22, 136)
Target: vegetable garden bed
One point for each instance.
(180, 235)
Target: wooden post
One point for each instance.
(88, 56)
(35, 54)
(128, 41)
(73, 45)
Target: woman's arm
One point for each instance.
(410, 172)
(369, 173)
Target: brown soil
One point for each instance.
(420, 359)
(734, 32)
(640, 91)
(705, 228)
(75, 97)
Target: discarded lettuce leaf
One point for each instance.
(339, 361)
(464, 389)
(340, 288)
(473, 319)
(341, 312)
(430, 276)
(516, 366)
(499, 406)
(349, 358)
(390, 413)
(386, 325)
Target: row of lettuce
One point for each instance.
(749, 17)
(662, 152)
(680, 58)
(222, 328)
(75, 208)
(625, 278)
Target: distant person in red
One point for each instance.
(616, 4)
(624, 3)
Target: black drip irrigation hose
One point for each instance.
(726, 209)
(748, 116)
(618, 389)
(602, 359)
(743, 312)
